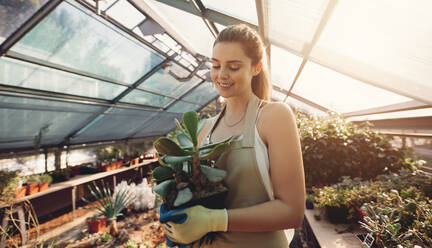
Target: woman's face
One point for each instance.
(232, 70)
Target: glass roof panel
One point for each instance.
(115, 124)
(202, 94)
(159, 125)
(14, 13)
(126, 14)
(200, 39)
(164, 82)
(17, 73)
(26, 117)
(294, 22)
(181, 107)
(284, 67)
(145, 98)
(370, 41)
(74, 37)
(242, 9)
(339, 92)
(395, 115)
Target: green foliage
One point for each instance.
(183, 163)
(109, 205)
(33, 179)
(45, 178)
(106, 238)
(131, 244)
(333, 147)
(9, 181)
(398, 210)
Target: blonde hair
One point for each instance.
(253, 48)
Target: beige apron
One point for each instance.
(246, 187)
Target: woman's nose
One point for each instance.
(223, 73)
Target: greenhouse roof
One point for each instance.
(80, 72)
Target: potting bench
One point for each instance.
(17, 205)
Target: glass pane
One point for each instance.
(293, 22)
(22, 74)
(181, 107)
(115, 124)
(203, 93)
(126, 14)
(284, 67)
(339, 92)
(278, 96)
(159, 125)
(370, 40)
(76, 38)
(165, 83)
(14, 13)
(199, 37)
(241, 9)
(23, 118)
(145, 98)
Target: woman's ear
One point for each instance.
(257, 68)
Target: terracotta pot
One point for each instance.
(135, 160)
(43, 186)
(20, 192)
(32, 189)
(97, 225)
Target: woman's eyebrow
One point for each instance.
(229, 61)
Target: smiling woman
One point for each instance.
(264, 165)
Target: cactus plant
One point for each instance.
(186, 173)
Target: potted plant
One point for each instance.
(186, 176)
(10, 186)
(44, 182)
(309, 201)
(32, 184)
(96, 224)
(109, 205)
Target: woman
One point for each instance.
(264, 165)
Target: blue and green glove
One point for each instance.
(184, 226)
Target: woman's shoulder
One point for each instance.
(276, 111)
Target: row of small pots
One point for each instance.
(30, 189)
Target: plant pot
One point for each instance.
(20, 192)
(135, 161)
(32, 189)
(215, 201)
(337, 214)
(309, 205)
(43, 186)
(360, 213)
(96, 225)
(76, 170)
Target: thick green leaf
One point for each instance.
(176, 159)
(164, 187)
(210, 146)
(216, 152)
(179, 126)
(168, 147)
(183, 197)
(213, 174)
(184, 140)
(190, 121)
(162, 173)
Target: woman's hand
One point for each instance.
(185, 226)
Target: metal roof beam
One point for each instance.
(410, 105)
(303, 100)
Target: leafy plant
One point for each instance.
(109, 205)
(45, 178)
(186, 172)
(333, 147)
(131, 244)
(9, 181)
(106, 238)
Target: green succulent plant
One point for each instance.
(186, 168)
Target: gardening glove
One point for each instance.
(185, 226)
(169, 242)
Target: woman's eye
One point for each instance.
(216, 67)
(234, 68)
